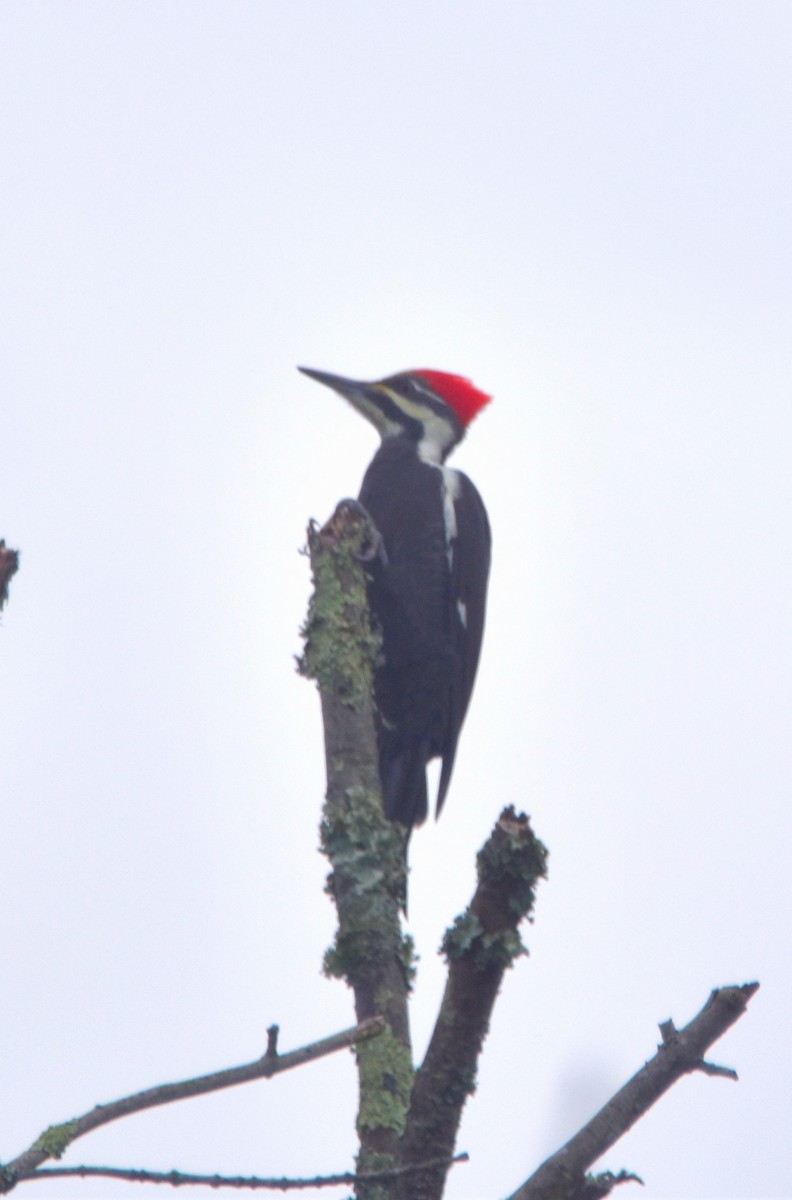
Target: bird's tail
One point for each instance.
(404, 793)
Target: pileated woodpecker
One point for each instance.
(428, 590)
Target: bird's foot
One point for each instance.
(373, 546)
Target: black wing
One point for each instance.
(471, 551)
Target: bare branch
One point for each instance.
(253, 1182)
(54, 1141)
(563, 1176)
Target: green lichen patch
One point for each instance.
(513, 857)
(360, 953)
(54, 1141)
(466, 938)
(459, 939)
(386, 1078)
(342, 647)
(361, 843)
(509, 867)
(501, 949)
(368, 883)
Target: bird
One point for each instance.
(427, 588)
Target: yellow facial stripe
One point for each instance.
(412, 408)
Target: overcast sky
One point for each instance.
(585, 207)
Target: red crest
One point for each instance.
(458, 392)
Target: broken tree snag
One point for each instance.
(9, 565)
(563, 1177)
(367, 879)
(479, 947)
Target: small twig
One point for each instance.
(9, 565)
(667, 1031)
(708, 1068)
(180, 1178)
(54, 1141)
(272, 1042)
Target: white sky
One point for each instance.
(586, 208)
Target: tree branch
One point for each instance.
(563, 1176)
(253, 1182)
(367, 855)
(54, 1141)
(479, 948)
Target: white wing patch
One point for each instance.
(462, 610)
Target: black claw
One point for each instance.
(374, 547)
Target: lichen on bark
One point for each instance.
(367, 853)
